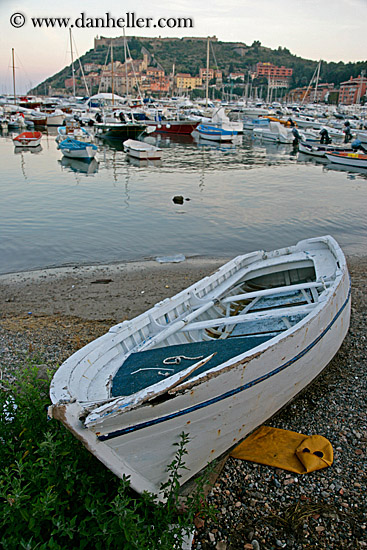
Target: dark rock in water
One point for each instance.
(178, 199)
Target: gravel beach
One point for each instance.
(54, 312)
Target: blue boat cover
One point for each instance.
(142, 369)
(75, 145)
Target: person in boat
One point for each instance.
(347, 132)
(98, 117)
(325, 138)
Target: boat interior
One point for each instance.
(252, 311)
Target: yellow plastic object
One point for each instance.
(286, 450)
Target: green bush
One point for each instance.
(55, 495)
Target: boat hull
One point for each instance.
(84, 154)
(351, 159)
(213, 133)
(216, 410)
(74, 149)
(318, 150)
(173, 127)
(142, 151)
(28, 139)
(54, 120)
(119, 131)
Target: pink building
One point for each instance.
(352, 90)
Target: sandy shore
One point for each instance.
(115, 292)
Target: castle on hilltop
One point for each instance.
(119, 40)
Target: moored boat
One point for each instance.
(182, 127)
(214, 133)
(72, 148)
(215, 361)
(28, 139)
(16, 122)
(320, 150)
(74, 130)
(359, 160)
(141, 150)
(274, 131)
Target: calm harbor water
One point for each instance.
(243, 196)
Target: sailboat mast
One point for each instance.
(317, 81)
(207, 75)
(310, 84)
(72, 61)
(12, 54)
(126, 73)
(173, 79)
(112, 77)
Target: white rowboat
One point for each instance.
(215, 361)
(141, 150)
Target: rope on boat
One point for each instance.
(177, 360)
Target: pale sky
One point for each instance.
(331, 30)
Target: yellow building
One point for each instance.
(185, 81)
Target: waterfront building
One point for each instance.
(352, 91)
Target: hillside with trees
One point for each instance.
(187, 55)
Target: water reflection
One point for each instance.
(190, 153)
(309, 159)
(350, 170)
(77, 165)
(165, 140)
(113, 143)
(243, 196)
(34, 150)
(220, 146)
(144, 163)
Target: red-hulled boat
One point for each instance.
(173, 126)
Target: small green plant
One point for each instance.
(55, 495)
